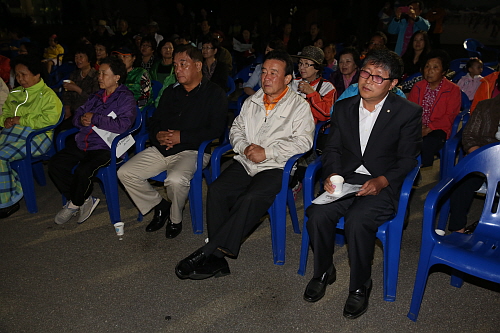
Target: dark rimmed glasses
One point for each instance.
(375, 78)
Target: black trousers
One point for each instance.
(362, 217)
(76, 186)
(431, 144)
(461, 199)
(235, 204)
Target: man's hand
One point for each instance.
(86, 119)
(373, 186)
(328, 186)
(169, 138)
(425, 130)
(255, 153)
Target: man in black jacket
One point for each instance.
(374, 141)
(189, 112)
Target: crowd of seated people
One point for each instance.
(117, 67)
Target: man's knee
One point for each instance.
(177, 180)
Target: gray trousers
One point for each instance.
(150, 162)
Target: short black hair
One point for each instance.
(354, 52)
(388, 60)
(442, 55)
(276, 44)
(210, 40)
(31, 61)
(420, 3)
(381, 35)
(471, 62)
(193, 52)
(162, 44)
(88, 50)
(281, 55)
(151, 40)
(117, 67)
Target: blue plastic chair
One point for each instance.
(477, 254)
(196, 186)
(156, 87)
(390, 233)
(474, 48)
(30, 168)
(59, 74)
(327, 72)
(277, 211)
(231, 86)
(107, 175)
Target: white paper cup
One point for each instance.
(439, 232)
(119, 228)
(67, 81)
(338, 181)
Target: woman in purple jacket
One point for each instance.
(113, 109)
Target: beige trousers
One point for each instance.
(150, 162)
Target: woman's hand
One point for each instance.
(425, 130)
(86, 119)
(71, 86)
(11, 121)
(305, 87)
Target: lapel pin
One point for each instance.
(388, 110)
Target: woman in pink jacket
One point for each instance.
(440, 100)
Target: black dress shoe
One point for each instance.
(315, 289)
(8, 211)
(357, 302)
(173, 229)
(211, 266)
(187, 265)
(158, 221)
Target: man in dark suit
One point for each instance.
(374, 141)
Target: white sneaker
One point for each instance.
(87, 208)
(66, 213)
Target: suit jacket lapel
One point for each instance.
(354, 121)
(383, 119)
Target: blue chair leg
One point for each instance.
(392, 252)
(420, 282)
(25, 174)
(457, 278)
(277, 215)
(196, 207)
(304, 249)
(110, 182)
(293, 211)
(39, 174)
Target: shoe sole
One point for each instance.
(331, 280)
(220, 273)
(94, 205)
(72, 215)
(349, 316)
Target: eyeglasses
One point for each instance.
(146, 45)
(305, 65)
(207, 48)
(375, 78)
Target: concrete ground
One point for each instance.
(82, 278)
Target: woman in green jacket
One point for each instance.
(138, 80)
(163, 68)
(31, 106)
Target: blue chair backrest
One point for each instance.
(230, 85)
(327, 72)
(466, 103)
(471, 45)
(156, 87)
